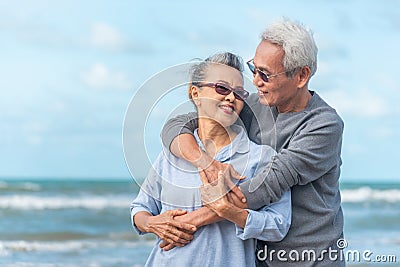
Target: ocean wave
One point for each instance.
(22, 186)
(368, 194)
(65, 246)
(35, 202)
(24, 202)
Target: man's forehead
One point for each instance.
(268, 55)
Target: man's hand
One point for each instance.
(233, 198)
(213, 195)
(210, 172)
(185, 146)
(170, 230)
(215, 198)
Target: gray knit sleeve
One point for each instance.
(181, 124)
(312, 153)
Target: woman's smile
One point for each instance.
(228, 108)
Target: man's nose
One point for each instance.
(257, 81)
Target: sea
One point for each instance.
(53, 222)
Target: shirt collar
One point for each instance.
(240, 144)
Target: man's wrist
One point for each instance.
(199, 159)
(235, 215)
(225, 210)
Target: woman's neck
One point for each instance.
(214, 136)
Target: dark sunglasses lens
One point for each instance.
(251, 67)
(263, 76)
(241, 94)
(222, 90)
(254, 71)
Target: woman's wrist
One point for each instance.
(147, 224)
(141, 220)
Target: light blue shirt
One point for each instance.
(174, 183)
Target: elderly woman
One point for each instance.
(216, 89)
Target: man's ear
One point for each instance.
(304, 76)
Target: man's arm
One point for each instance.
(181, 124)
(177, 136)
(310, 154)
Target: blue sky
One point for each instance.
(70, 68)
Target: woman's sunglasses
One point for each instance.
(223, 89)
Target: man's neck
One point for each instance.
(297, 103)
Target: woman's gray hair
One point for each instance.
(297, 42)
(198, 71)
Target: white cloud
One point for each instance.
(383, 132)
(106, 37)
(324, 68)
(33, 132)
(355, 149)
(360, 104)
(100, 77)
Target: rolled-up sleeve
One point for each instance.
(143, 202)
(148, 198)
(270, 223)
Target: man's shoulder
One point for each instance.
(321, 110)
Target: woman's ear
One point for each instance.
(194, 94)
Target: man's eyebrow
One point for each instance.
(266, 69)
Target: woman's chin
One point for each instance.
(228, 121)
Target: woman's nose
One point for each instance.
(230, 97)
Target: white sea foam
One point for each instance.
(24, 202)
(367, 194)
(12, 248)
(64, 246)
(36, 202)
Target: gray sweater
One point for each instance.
(308, 161)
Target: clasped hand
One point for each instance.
(216, 195)
(169, 229)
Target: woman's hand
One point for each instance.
(170, 230)
(183, 218)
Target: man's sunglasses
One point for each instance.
(223, 89)
(265, 77)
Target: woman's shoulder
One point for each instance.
(261, 153)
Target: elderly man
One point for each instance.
(307, 134)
